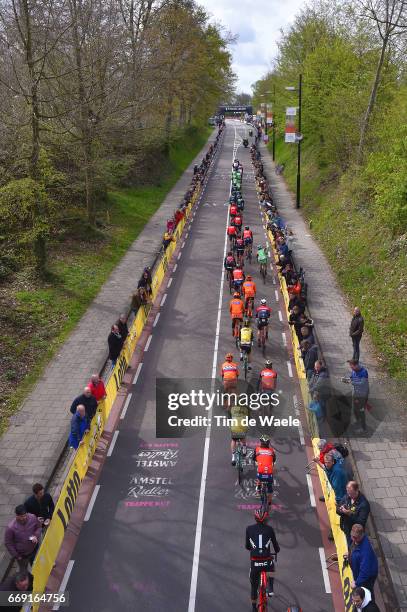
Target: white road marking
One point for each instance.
(64, 582)
(137, 374)
(163, 299)
(112, 444)
(183, 244)
(284, 339)
(93, 498)
(157, 316)
(126, 405)
(179, 255)
(147, 346)
(301, 432)
(186, 235)
(290, 370)
(324, 571)
(276, 294)
(169, 282)
(280, 316)
(311, 490)
(199, 519)
(175, 268)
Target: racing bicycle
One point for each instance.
(262, 605)
(263, 271)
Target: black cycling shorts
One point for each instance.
(262, 323)
(246, 348)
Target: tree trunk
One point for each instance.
(40, 250)
(372, 100)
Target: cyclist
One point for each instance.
(240, 201)
(259, 538)
(238, 278)
(246, 341)
(263, 313)
(249, 292)
(237, 222)
(238, 429)
(229, 373)
(267, 378)
(239, 249)
(233, 210)
(231, 232)
(262, 258)
(236, 309)
(265, 457)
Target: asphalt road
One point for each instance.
(168, 525)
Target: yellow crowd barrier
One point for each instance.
(54, 535)
(338, 535)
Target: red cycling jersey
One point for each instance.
(265, 458)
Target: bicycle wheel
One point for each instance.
(239, 464)
(262, 607)
(263, 497)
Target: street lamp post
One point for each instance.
(299, 140)
(274, 123)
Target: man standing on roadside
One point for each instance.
(353, 509)
(355, 332)
(22, 536)
(363, 560)
(359, 379)
(87, 400)
(40, 504)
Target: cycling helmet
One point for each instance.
(261, 515)
(229, 357)
(259, 246)
(265, 439)
(247, 227)
(268, 363)
(236, 294)
(230, 254)
(248, 277)
(263, 301)
(246, 323)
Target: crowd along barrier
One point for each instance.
(334, 519)
(54, 535)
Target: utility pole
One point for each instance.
(299, 139)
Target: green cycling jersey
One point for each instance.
(262, 256)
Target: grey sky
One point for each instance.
(258, 25)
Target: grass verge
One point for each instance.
(370, 264)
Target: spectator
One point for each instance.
(122, 325)
(363, 560)
(306, 332)
(195, 168)
(325, 447)
(310, 356)
(144, 287)
(356, 331)
(115, 342)
(319, 381)
(353, 509)
(87, 400)
(79, 426)
(336, 474)
(178, 216)
(22, 536)
(168, 237)
(23, 581)
(170, 225)
(316, 408)
(362, 601)
(97, 387)
(359, 379)
(40, 504)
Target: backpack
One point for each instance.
(342, 450)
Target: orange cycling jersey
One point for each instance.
(249, 289)
(238, 220)
(268, 378)
(231, 230)
(247, 234)
(265, 460)
(236, 308)
(233, 210)
(229, 371)
(238, 274)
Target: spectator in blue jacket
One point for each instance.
(363, 560)
(359, 379)
(336, 475)
(79, 426)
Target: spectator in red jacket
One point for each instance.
(22, 536)
(178, 216)
(97, 387)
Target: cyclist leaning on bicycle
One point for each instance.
(246, 341)
(238, 429)
(265, 457)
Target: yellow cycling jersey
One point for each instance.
(246, 335)
(238, 413)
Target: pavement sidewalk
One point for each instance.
(381, 456)
(37, 434)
